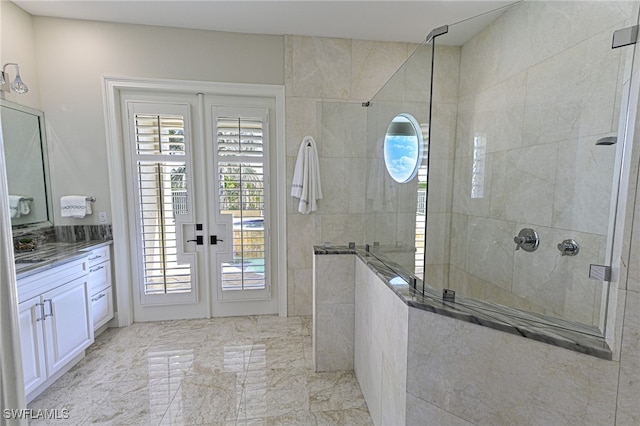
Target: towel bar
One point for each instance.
(92, 199)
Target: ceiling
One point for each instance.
(400, 21)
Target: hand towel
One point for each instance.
(306, 177)
(15, 206)
(381, 190)
(75, 206)
(24, 206)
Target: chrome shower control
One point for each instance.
(527, 240)
(569, 248)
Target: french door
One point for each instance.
(240, 204)
(198, 199)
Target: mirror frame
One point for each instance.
(45, 161)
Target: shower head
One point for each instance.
(609, 140)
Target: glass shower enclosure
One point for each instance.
(513, 197)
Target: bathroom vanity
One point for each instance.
(64, 295)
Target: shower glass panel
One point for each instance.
(395, 215)
(511, 121)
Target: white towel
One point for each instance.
(306, 177)
(76, 206)
(18, 206)
(381, 190)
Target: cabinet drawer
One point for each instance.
(98, 255)
(44, 281)
(102, 307)
(99, 276)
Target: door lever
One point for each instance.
(214, 239)
(199, 240)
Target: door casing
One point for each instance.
(112, 88)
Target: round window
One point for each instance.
(403, 148)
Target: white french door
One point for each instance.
(198, 190)
(238, 138)
(162, 186)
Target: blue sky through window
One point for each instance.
(401, 152)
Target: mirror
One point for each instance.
(25, 151)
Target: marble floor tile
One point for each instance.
(331, 391)
(253, 370)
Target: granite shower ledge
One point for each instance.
(575, 337)
(50, 255)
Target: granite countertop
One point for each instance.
(557, 332)
(49, 255)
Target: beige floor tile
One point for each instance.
(253, 370)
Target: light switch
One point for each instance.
(102, 217)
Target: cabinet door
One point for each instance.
(68, 328)
(32, 343)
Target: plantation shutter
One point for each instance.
(160, 156)
(240, 148)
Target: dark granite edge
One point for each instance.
(533, 326)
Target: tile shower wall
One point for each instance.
(540, 114)
(345, 73)
(333, 312)
(380, 348)
(463, 372)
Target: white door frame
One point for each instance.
(111, 87)
(11, 372)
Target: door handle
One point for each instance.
(50, 302)
(199, 240)
(214, 239)
(42, 315)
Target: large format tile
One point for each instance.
(628, 409)
(134, 402)
(253, 370)
(201, 399)
(333, 391)
(513, 380)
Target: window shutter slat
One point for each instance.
(162, 196)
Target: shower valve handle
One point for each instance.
(519, 241)
(569, 247)
(527, 240)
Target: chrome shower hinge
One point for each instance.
(600, 272)
(625, 37)
(448, 295)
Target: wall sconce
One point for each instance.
(17, 85)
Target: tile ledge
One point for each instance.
(576, 337)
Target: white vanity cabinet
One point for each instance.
(32, 343)
(99, 262)
(55, 322)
